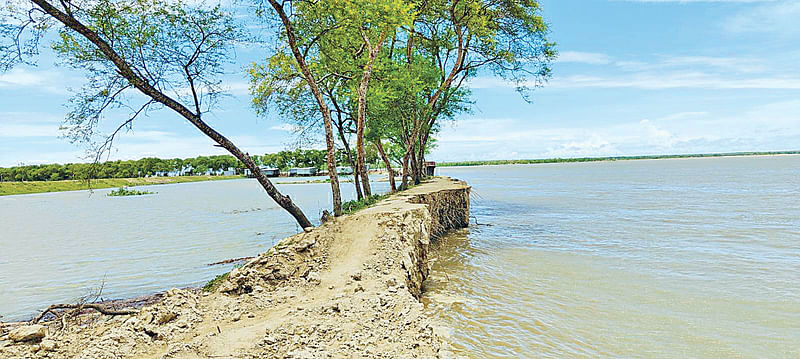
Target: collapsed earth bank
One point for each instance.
(347, 289)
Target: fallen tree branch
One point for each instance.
(100, 308)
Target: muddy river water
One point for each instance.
(60, 247)
(684, 258)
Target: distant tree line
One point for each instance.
(155, 166)
(613, 158)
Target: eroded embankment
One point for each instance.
(349, 289)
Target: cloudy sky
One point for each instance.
(634, 77)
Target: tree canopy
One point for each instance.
(364, 76)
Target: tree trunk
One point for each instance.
(404, 184)
(146, 88)
(414, 166)
(388, 164)
(356, 179)
(326, 114)
(362, 109)
(421, 156)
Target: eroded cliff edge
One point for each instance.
(349, 289)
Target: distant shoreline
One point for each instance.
(604, 159)
(31, 187)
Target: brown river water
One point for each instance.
(684, 258)
(694, 258)
(61, 247)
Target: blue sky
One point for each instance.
(634, 77)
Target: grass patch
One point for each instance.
(357, 205)
(124, 191)
(213, 284)
(12, 188)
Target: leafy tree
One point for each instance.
(299, 48)
(336, 44)
(170, 52)
(506, 38)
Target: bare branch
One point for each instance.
(78, 307)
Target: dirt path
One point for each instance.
(348, 289)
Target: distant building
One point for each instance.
(186, 170)
(266, 170)
(430, 167)
(344, 170)
(270, 171)
(303, 171)
(229, 172)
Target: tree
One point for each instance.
(169, 52)
(335, 45)
(311, 80)
(507, 38)
(277, 84)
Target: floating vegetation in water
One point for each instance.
(240, 211)
(124, 191)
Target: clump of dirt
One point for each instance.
(349, 288)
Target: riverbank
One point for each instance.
(349, 287)
(616, 158)
(12, 188)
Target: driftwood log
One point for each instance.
(78, 307)
(228, 261)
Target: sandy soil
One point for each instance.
(348, 289)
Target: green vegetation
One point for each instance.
(357, 205)
(124, 192)
(617, 158)
(213, 284)
(380, 73)
(201, 165)
(390, 73)
(12, 188)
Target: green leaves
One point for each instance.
(177, 48)
(431, 49)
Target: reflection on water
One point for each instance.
(663, 258)
(55, 247)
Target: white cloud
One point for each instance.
(38, 80)
(737, 64)
(237, 88)
(139, 144)
(779, 17)
(20, 77)
(286, 127)
(773, 126)
(592, 58)
(698, 1)
(21, 131)
(674, 80)
(28, 124)
(667, 72)
(653, 81)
